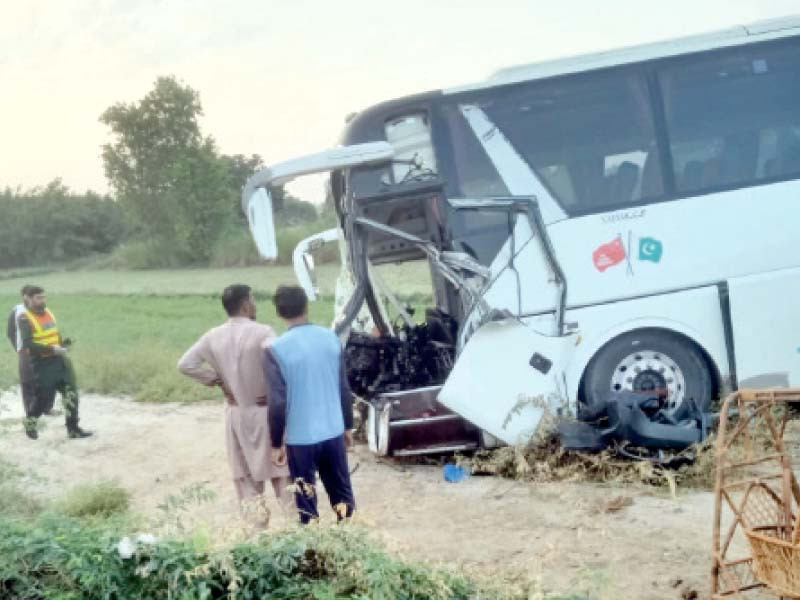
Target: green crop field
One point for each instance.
(130, 328)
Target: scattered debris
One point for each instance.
(642, 421)
(455, 473)
(546, 459)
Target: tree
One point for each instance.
(240, 168)
(174, 186)
(201, 195)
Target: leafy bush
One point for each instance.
(59, 557)
(295, 212)
(52, 224)
(235, 248)
(141, 254)
(101, 499)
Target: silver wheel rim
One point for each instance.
(652, 372)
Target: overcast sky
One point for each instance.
(278, 77)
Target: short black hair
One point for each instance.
(290, 301)
(234, 296)
(31, 290)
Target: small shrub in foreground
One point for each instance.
(101, 499)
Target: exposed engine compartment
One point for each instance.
(417, 356)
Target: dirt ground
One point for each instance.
(559, 533)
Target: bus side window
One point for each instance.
(589, 137)
(733, 116)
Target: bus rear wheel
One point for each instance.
(652, 362)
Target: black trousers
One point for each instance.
(27, 385)
(329, 458)
(51, 375)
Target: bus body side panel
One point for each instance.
(658, 248)
(764, 310)
(695, 314)
(506, 378)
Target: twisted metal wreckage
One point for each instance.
(425, 384)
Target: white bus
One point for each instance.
(620, 221)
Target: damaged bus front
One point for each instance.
(468, 373)
(588, 229)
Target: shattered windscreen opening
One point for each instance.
(479, 233)
(421, 350)
(414, 158)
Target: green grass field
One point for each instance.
(406, 280)
(130, 328)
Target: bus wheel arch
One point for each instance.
(651, 358)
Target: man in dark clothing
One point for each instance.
(52, 369)
(26, 380)
(310, 407)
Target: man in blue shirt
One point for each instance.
(310, 407)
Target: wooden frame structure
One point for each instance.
(756, 495)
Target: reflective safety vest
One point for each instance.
(45, 330)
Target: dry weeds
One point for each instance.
(545, 460)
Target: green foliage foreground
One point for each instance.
(60, 557)
(55, 225)
(86, 546)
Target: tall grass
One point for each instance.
(233, 248)
(145, 254)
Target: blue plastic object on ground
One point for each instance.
(454, 473)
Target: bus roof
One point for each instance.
(760, 30)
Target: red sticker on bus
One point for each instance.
(608, 255)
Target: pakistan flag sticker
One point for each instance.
(650, 249)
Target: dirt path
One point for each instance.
(557, 531)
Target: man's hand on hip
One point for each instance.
(279, 456)
(218, 382)
(348, 439)
(228, 394)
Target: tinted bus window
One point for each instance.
(733, 117)
(470, 173)
(590, 137)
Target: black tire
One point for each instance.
(602, 369)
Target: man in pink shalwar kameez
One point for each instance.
(229, 356)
